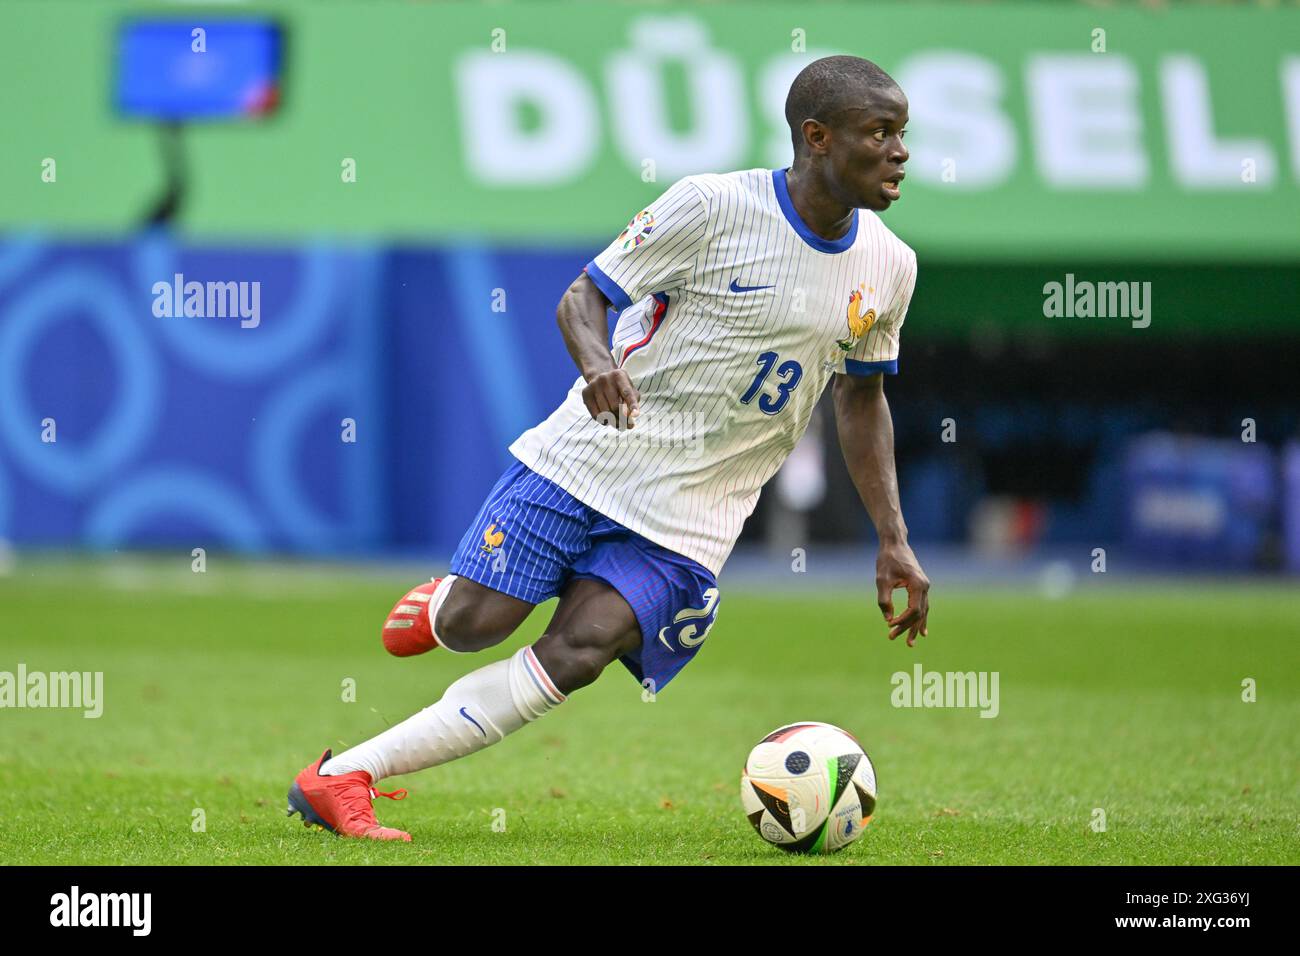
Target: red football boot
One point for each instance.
(408, 630)
(341, 804)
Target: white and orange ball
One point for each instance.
(808, 788)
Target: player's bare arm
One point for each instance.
(610, 396)
(866, 433)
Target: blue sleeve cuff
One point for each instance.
(613, 291)
(854, 367)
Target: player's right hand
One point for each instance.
(612, 400)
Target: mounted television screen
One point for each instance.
(180, 70)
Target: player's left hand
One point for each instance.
(897, 567)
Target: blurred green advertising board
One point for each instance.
(1037, 132)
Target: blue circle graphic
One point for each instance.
(174, 491)
(275, 465)
(17, 254)
(242, 354)
(129, 421)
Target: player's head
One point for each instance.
(846, 119)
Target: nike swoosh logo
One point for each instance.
(737, 287)
(466, 715)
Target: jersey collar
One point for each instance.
(801, 227)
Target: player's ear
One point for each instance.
(816, 136)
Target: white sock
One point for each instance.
(477, 710)
(436, 600)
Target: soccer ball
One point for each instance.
(808, 788)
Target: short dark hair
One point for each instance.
(826, 86)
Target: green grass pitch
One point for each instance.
(219, 687)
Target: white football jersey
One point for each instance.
(734, 317)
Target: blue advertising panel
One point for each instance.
(153, 395)
(1200, 502)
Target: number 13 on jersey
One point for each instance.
(787, 375)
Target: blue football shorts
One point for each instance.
(531, 537)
